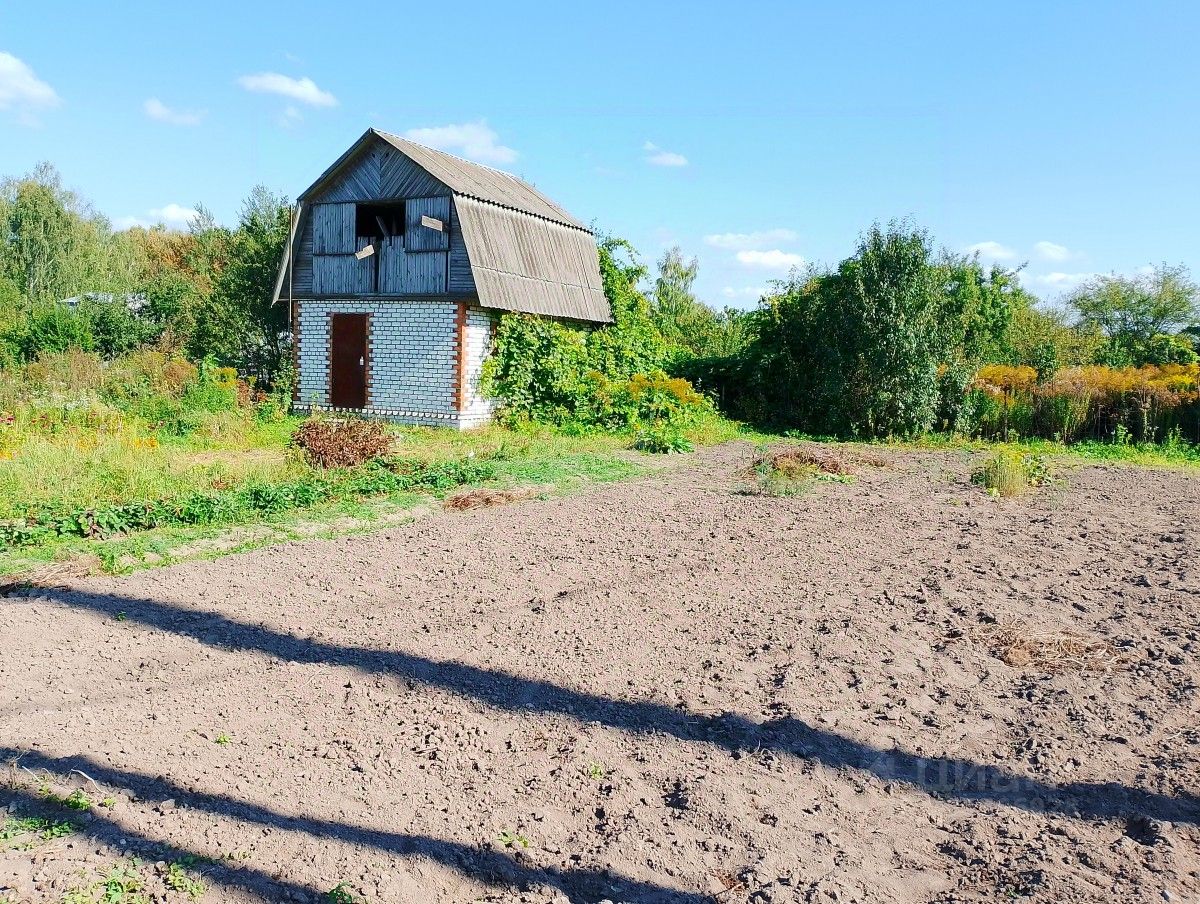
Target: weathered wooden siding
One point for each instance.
(342, 274)
(391, 265)
(379, 173)
(302, 272)
(423, 238)
(333, 228)
(458, 278)
(425, 273)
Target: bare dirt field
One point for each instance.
(665, 690)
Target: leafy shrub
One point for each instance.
(661, 439)
(641, 400)
(337, 443)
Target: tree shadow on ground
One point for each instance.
(487, 866)
(943, 777)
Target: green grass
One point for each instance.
(536, 455)
(1153, 455)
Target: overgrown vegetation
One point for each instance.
(145, 385)
(1009, 473)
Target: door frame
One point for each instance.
(365, 317)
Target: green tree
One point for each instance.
(54, 246)
(235, 323)
(632, 343)
(1131, 310)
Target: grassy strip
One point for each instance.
(42, 523)
(357, 500)
(1153, 455)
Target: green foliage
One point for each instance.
(177, 878)
(537, 368)
(854, 351)
(1011, 473)
(40, 827)
(342, 894)
(38, 524)
(1132, 312)
(610, 377)
(661, 439)
(689, 327)
(236, 322)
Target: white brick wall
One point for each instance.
(479, 343)
(413, 359)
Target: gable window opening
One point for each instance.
(374, 225)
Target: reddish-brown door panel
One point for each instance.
(348, 360)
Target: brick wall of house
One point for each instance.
(413, 362)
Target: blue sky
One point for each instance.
(754, 135)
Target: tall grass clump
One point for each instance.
(1009, 473)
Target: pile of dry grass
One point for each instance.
(1013, 643)
(483, 497)
(798, 461)
(53, 574)
(335, 443)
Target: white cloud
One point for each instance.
(771, 260)
(750, 240)
(304, 90)
(1061, 281)
(744, 293)
(1049, 251)
(656, 156)
(992, 251)
(291, 116)
(173, 216)
(156, 109)
(22, 91)
(474, 140)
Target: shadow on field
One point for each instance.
(943, 777)
(490, 867)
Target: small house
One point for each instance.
(400, 260)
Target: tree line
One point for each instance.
(891, 340)
(69, 280)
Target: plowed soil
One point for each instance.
(670, 689)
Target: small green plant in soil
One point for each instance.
(1008, 474)
(15, 827)
(222, 739)
(177, 878)
(513, 839)
(342, 894)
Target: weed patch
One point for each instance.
(1009, 474)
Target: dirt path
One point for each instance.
(662, 690)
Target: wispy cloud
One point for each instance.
(303, 90)
(774, 259)
(157, 110)
(1049, 251)
(657, 156)
(748, 240)
(291, 116)
(173, 216)
(22, 91)
(743, 293)
(992, 251)
(474, 140)
(1061, 281)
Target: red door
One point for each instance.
(348, 360)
